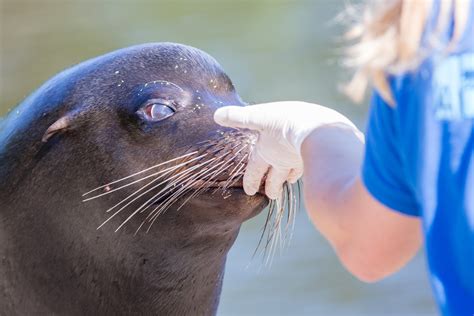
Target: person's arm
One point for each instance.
(371, 240)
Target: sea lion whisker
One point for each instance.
(281, 241)
(289, 203)
(212, 145)
(287, 194)
(141, 209)
(130, 202)
(153, 215)
(204, 185)
(162, 193)
(236, 154)
(234, 171)
(179, 175)
(160, 175)
(140, 172)
(208, 182)
(237, 178)
(173, 198)
(293, 217)
(139, 190)
(296, 204)
(271, 231)
(139, 227)
(276, 233)
(234, 175)
(231, 181)
(290, 213)
(196, 178)
(180, 180)
(238, 166)
(224, 146)
(284, 205)
(158, 195)
(293, 207)
(146, 185)
(161, 172)
(264, 229)
(157, 185)
(163, 206)
(267, 231)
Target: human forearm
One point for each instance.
(332, 156)
(371, 240)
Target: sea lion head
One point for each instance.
(142, 106)
(128, 140)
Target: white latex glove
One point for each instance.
(282, 127)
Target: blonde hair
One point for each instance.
(387, 39)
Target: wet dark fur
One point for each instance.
(53, 259)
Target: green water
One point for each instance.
(272, 50)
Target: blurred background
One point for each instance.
(272, 50)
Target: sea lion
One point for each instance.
(117, 123)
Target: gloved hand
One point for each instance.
(282, 127)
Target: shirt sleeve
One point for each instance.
(382, 169)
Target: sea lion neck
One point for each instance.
(174, 269)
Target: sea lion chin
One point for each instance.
(86, 135)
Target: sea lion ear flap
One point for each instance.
(61, 125)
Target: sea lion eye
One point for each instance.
(156, 110)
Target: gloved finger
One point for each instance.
(238, 117)
(274, 183)
(256, 169)
(295, 174)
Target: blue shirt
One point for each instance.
(419, 160)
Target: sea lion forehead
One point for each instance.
(175, 60)
(127, 70)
